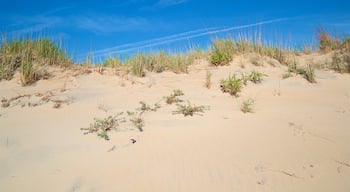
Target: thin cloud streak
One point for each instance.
(177, 38)
(152, 41)
(164, 4)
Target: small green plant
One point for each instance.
(208, 79)
(173, 97)
(190, 110)
(256, 77)
(247, 106)
(102, 126)
(144, 107)
(231, 85)
(137, 115)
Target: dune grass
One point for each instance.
(158, 62)
(29, 55)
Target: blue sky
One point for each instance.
(119, 28)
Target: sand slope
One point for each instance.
(297, 139)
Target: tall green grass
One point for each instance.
(28, 55)
(225, 49)
(158, 62)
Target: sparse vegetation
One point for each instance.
(190, 110)
(102, 126)
(327, 43)
(308, 72)
(247, 106)
(231, 85)
(173, 98)
(256, 77)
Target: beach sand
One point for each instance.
(296, 139)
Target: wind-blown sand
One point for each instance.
(297, 139)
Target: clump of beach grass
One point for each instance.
(222, 53)
(308, 72)
(29, 55)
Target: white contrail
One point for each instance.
(152, 41)
(177, 37)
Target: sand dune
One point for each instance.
(297, 139)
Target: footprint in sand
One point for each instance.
(309, 169)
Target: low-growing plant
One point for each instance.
(247, 106)
(231, 85)
(102, 126)
(173, 98)
(145, 107)
(190, 110)
(256, 77)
